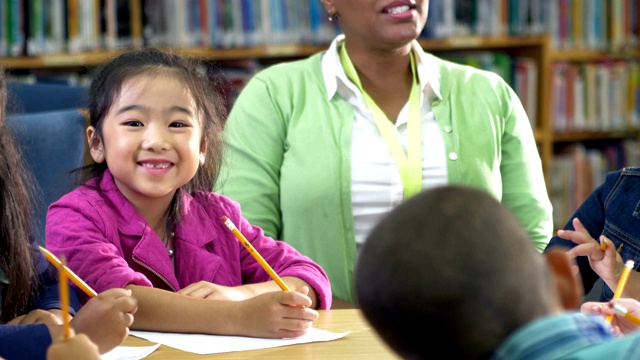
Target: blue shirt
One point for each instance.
(612, 210)
(568, 335)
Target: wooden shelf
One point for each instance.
(585, 136)
(590, 55)
(98, 57)
(482, 43)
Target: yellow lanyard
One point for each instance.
(409, 166)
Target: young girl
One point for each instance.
(145, 220)
(30, 314)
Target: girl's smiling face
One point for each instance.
(151, 138)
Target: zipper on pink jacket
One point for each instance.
(155, 273)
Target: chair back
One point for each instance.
(30, 98)
(52, 145)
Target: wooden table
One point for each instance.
(361, 343)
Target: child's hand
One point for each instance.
(37, 316)
(209, 291)
(607, 264)
(620, 324)
(106, 318)
(278, 314)
(75, 347)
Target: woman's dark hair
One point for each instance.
(106, 86)
(16, 220)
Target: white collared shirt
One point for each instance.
(376, 186)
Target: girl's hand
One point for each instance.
(106, 318)
(37, 316)
(278, 314)
(607, 264)
(620, 324)
(209, 291)
(75, 347)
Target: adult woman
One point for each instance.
(317, 146)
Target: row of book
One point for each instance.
(577, 171)
(572, 24)
(595, 96)
(36, 27)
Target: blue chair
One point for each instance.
(52, 145)
(29, 98)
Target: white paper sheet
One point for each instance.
(214, 344)
(129, 352)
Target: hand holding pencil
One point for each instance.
(298, 317)
(625, 312)
(622, 283)
(105, 318)
(602, 253)
(76, 347)
(69, 346)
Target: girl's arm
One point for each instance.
(207, 290)
(274, 314)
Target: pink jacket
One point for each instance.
(109, 244)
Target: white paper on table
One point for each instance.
(129, 352)
(214, 344)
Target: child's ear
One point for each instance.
(203, 152)
(95, 145)
(568, 286)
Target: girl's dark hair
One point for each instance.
(204, 88)
(16, 219)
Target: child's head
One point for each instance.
(139, 72)
(455, 260)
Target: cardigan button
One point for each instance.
(453, 156)
(447, 129)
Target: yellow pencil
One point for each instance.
(254, 253)
(626, 314)
(63, 287)
(72, 276)
(624, 277)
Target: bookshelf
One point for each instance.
(543, 31)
